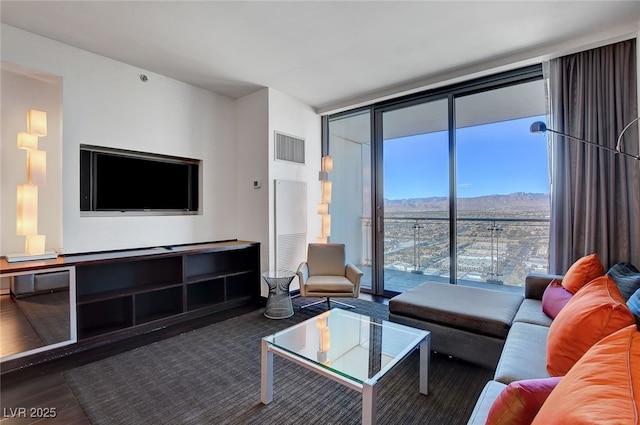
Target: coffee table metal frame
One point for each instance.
(367, 388)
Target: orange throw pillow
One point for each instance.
(594, 312)
(582, 272)
(602, 388)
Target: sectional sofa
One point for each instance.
(525, 350)
(570, 352)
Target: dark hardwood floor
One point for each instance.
(43, 399)
(30, 394)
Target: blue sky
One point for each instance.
(499, 158)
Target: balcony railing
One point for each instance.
(490, 251)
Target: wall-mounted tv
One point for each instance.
(116, 180)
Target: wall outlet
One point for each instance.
(257, 184)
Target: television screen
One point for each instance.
(132, 181)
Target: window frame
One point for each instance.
(376, 111)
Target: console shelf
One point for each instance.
(122, 292)
(213, 276)
(117, 295)
(116, 292)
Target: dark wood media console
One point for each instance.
(124, 293)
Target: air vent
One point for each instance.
(289, 148)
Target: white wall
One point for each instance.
(258, 116)
(290, 116)
(106, 104)
(252, 133)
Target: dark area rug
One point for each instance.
(212, 376)
(48, 315)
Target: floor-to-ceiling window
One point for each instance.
(502, 186)
(448, 185)
(415, 187)
(350, 139)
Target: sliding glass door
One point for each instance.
(350, 140)
(445, 186)
(502, 190)
(414, 193)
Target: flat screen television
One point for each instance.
(120, 181)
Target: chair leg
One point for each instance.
(344, 304)
(311, 304)
(328, 304)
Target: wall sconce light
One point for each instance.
(27, 194)
(323, 207)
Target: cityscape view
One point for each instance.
(500, 238)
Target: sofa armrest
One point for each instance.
(536, 283)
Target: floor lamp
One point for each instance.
(27, 193)
(323, 207)
(540, 127)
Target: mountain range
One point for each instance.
(518, 201)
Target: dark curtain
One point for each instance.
(595, 194)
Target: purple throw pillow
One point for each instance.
(519, 402)
(554, 298)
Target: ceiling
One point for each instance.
(324, 53)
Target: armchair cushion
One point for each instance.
(329, 284)
(326, 259)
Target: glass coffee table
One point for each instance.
(350, 348)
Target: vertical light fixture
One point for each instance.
(37, 122)
(27, 212)
(36, 167)
(324, 342)
(323, 206)
(27, 194)
(27, 141)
